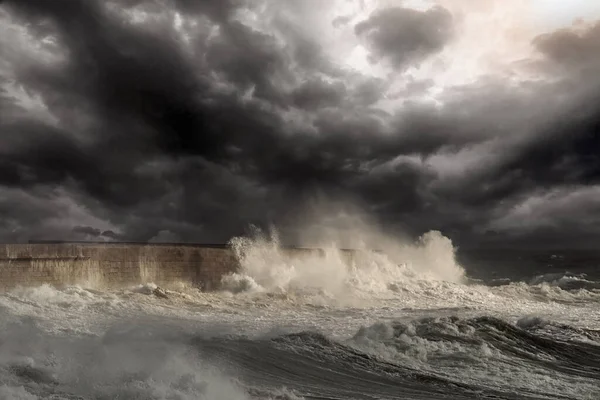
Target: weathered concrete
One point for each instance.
(113, 264)
(98, 265)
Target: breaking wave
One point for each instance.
(130, 361)
(431, 358)
(421, 275)
(566, 281)
(334, 271)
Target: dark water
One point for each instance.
(526, 265)
(319, 368)
(472, 358)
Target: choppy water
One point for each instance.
(313, 328)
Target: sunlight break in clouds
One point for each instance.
(490, 39)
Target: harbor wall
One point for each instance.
(101, 265)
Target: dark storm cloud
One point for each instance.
(404, 35)
(563, 152)
(316, 94)
(94, 233)
(145, 133)
(217, 10)
(138, 96)
(246, 58)
(44, 212)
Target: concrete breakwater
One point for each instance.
(101, 265)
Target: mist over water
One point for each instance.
(265, 266)
(128, 361)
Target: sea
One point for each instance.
(416, 321)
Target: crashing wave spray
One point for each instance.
(267, 266)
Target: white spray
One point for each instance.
(268, 266)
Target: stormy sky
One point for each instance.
(189, 120)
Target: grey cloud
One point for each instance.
(406, 36)
(87, 230)
(247, 58)
(165, 236)
(91, 233)
(571, 48)
(316, 93)
(46, 213)
(217, 10)
(549, 214)
(368, 92)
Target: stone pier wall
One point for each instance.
(101, 265)
(113, 264)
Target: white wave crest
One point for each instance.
(266, 266)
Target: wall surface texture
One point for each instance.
(113, 264)
(101, 265)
